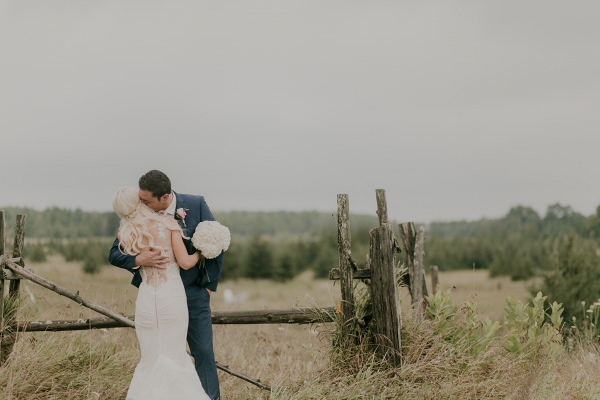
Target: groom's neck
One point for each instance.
(170, 200)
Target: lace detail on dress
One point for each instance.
(161, 232)
(156, 277)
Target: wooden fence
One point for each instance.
(379, 274)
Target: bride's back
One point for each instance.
(162, 241)
(141, 228)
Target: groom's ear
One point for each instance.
(164, 197)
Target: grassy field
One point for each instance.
(99, 364)
(274, 353)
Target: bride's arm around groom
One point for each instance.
(195, 210)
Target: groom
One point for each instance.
(199, 282)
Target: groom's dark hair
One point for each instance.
(155, 182)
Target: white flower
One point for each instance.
(211, 238)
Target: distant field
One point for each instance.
(276, 354)
(112, 288)
(477, 287)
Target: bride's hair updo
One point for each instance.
(136, 218)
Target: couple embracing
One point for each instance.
(173, 303)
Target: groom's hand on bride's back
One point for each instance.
(151, 258)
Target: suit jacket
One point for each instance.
(206, 273)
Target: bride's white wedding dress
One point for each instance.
(166, 370)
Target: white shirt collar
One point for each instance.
(172, 207)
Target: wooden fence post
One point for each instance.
(434, 278)
(419, 285)
(8, 340)
(381, 207)
(387, 318)
(413, 243)
(345, 265)
(15, 284)
(408, 237)
(384, 294)
(2, 255)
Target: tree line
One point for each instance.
(562, 247)
(520, 245)
(265, 245)
(279, 245)
(60, 223)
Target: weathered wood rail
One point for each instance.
(289, 316)
(379, 274)
(17, 269)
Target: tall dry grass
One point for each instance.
(298, 361)
(91, 365)
(463, 357)
(99, 364)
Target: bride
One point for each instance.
(165, 370)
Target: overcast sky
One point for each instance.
(457, 109)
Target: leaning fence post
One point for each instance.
(385, 302)
(345, 265)
(434, 278)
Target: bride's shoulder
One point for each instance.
(170, 223)
(158, 223)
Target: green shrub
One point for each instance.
(35, 252)
(93, 252)
(233, 267)
(574, 277)
(531, 330)
(73, 250)
(463, 327)
(91, 265)
(259, 258)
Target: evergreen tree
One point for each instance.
(594, 224)
(285, 267)
(35, 252)
(259, 258)
(232, 262)
(574, 277)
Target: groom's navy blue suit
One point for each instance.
(195, 280)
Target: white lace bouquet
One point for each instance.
(211, 238)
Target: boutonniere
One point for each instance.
(180, 214)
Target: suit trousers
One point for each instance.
(200, 338)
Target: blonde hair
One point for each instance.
(136, 217)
